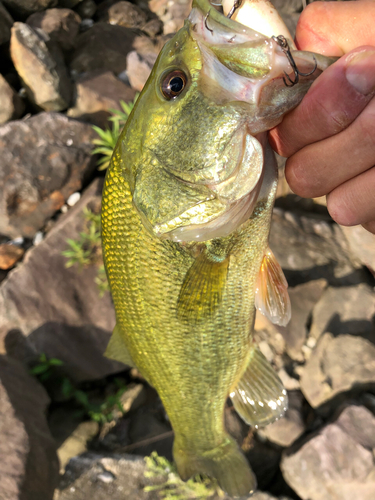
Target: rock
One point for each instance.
(40, 64)
(9, 255)
(6, 23)
(153, 27)
(102, 47)
(172, 12)
(139, 68)
(127, 15)
(26, 7)
(315, 248)
(64, 316)
(362, 245)
(11, 105)
(76, 443)
(345, 310)
(303, 298)
(61, 25)
(46, 158)
(86, 9)
(28, 460)
(359, 423)
(288, 429)
(338, 365)
(96, 93)
(333, 464)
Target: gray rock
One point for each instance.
(28, 460)
(45, 159)
(303, 298)
(337, 365)
(345, 310)
(127, 15)
(362, 245)
(11, 105)
(62, 25)
(86, 9)
(40, 65)
(315, 248)
(173, 13)
(290, 427)
(6, 23)
(27, 7)
(102, 47)
(47, 308)
(96, 93)
(139, 68)
(334, 464)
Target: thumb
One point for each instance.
(335, 28)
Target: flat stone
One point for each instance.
(361, 244)
(48, 308)
(6, 22)
(62, 25)
(313, 247)
(102, 47)
(303, 298)
(40, 65)
(127, 15)
(96, 93)
(345, 310)
(285, 431)
(9, 255)
(333, 464)
(11, 104)
(28, 460)
(337, 365)
(26, 7)
(45, 159)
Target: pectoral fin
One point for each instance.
(272, 298)
(202, 289)
(117, 350)
(259, 397)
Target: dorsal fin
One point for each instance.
(117, 350)
(271, 297)
(259, 397)
(202, 289)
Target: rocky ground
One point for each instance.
(75, 425)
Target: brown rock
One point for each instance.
(48, 308)
(303, 298)
(172, 13)
(62, 25)
(86, 9)
(337, 365)
(127, 15)
(6, 23)
(9, 255)
(139, 68)
(27, 7)
(153, 27)
(11, 105)
(345, 310)
(333, 465)
(362, 245)
(96, 93)
(40, 64)
(45, 160)
(28, 460)
(103, 47)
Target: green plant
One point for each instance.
(172, 487)
(108, 138)
(44, 367)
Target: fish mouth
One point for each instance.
(234, 185)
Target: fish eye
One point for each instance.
(173, 84)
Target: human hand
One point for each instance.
(330, 137)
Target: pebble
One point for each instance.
(73, 199)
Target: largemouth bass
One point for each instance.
(186, 213)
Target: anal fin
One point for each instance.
(259, 397)
(202, 289)
(271, 297)
(117, 350)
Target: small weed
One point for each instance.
(108, 138)
(44, 367)
(87, 249)
(173, 488)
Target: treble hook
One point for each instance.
(236, 5)
(282, 42)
